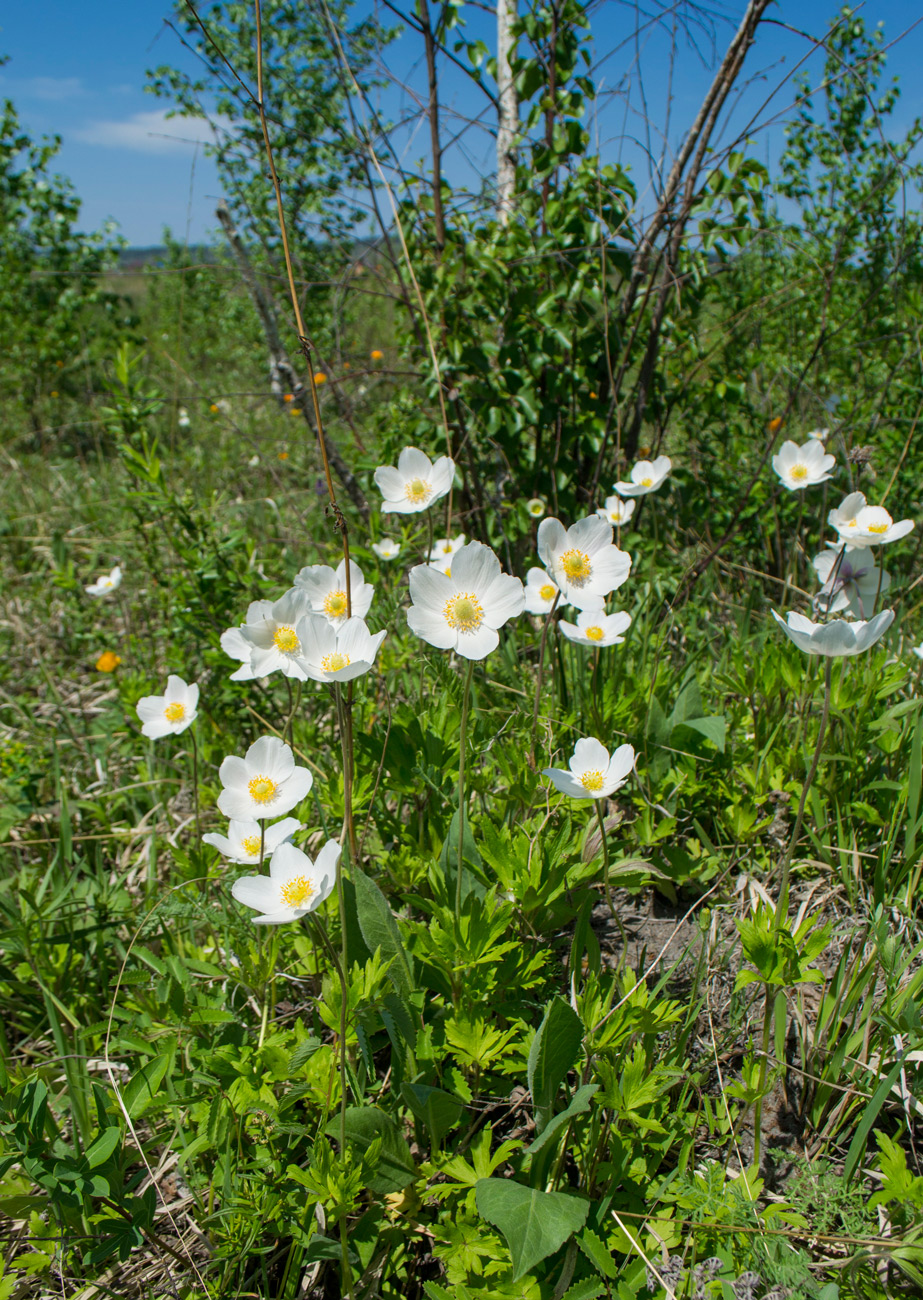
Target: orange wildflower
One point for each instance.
(775, 424)
(108, 661)
(320, 378)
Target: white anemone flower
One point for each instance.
(917, 650)
(820, 434)
(265, 783)
(540, 592)
(236, 646)
(596, 629)
(294, 887)
(105, 583)
(445, 547)
(616, 511)
(462, 611)
(850, 581)
(170, 713)
(387, 549)
(536, 507)
(861, 525)
(593, 774)
(416, 482)
(837, 637)
(242, 842)
(326, 589)
(582, 559)
(803, 467)
(646, 476)
(274, 641)
(336, 654)
(182, 418)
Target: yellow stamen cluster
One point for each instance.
(417, 490)
(547, 591)
(263, 789)
(594, 633)
(647, 482)
(284, 639)
(464, 612)
(175, 712)
(878, 528)
(576, 566)
(297, 891)
(592, 780)
(251, 845)
(335, 605)
(334, 662)
(798, 472)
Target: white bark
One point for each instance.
(508, 110)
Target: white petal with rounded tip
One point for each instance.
(156, 728)
(477, 645)
(150, 707)
(503, 598)
(431, 627)
(270, 756)
(474, 567)
(258, 892)
(590, 755)
(429, 588)
(566, 783)
(413, 463)
(234, 773)
(620, 765)
(551, 540)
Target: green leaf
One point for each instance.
(534, 1223)
(142, 1087)
(320, 1247)
(438, 1110)
(713, 729)
(555, 1050)
(103, 1147)
(380, 930)
(598, 1253)
(363, 1125)
(580, 1104)
(869, 1118)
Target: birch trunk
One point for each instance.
(508, 111)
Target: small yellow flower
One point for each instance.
(54, 392)
(320, 378)
(377, 355)
(214, 408)
(108, 661)
(293, 410)
(593, 396)
(283, 455)
(289, 397)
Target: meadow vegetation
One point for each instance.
(513, 907)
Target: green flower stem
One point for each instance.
(538, 680)
(462, 746)
(195, 784)
(598, 803)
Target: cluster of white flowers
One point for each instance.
(852, 582)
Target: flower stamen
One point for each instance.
(417, 490)
(594, 633)
(592, 780)
(577, 566)
(284, 639)
(798, 472)
(297, 891)
(547, 591)
(251, 845)
(464, 612)
(335, 604)
(175, 712)
(263, 789)
(332, 663)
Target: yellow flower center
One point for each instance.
(594, 633)
(333, 663)
(647, 482)
(175, 712)
(547, 591)
(285, 640)
(263, 789)
(335, 605)
(798, 472)
(576, 565)
(878, 528)
(417, 490)
(251, 845)
(297, 891)
(464, 612)
(592, 780)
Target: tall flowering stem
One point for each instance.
(463, 744)
(598, 803)
(538, 681)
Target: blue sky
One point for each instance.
(78, 70)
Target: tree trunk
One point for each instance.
(508, 111)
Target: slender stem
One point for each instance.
(346, 749)
(791, 569)
(538, 680)
(262, 842)
(195, 782)
(605, 848)
(463, 744)
(782, 905)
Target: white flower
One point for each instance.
(242, 842)
(105, 583)
(445, 547)
(294, 887)
(597, 629)
(862, 525)
(182, 418)
(801, 467)
(387, 549)
(582, 559)
(646, 476)
(336, 654)
(851, 581)
(540, 592)
(265, 783)
(173, 711)
(593, 774)
(462, 611)
(274, 641)
(837, 637)
(917, 650)
(536, 507)
(236, 646)
(326, 589)
(616, 511)
(416, 483)
(820, 434)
